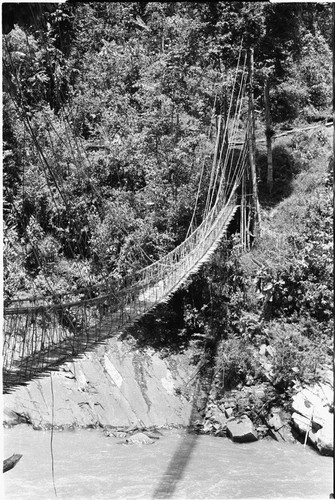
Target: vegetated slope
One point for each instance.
(284, 297)
(279, 294)
(119, 98)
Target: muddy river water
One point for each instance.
(89, 465)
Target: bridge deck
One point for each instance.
(38, 340)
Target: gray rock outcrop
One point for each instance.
(241, 429)
(278, 423)
(114, 385)
(140, 438)
(313, 418)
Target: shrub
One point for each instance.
(287, 100)
(235, 361)
(15, 279)
(295, 358)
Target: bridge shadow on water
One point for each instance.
(182, 455)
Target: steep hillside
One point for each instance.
(275, 338)
(109, 131)
(109, 115)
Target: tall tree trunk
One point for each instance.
(333, 36)
(243, 218)
(268, 134)
(252, 146)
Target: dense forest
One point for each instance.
(107, 112)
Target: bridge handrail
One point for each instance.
(203, 229)
(144, 278)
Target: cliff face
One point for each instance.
(115, 385)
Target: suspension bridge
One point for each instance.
(42, 333)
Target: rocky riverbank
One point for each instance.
(254, 411)
(128, 391)
(115, 385)
(310, 419)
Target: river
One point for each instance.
(89, 465)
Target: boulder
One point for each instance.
(139, 438)
(301, 423)
(241, 430)
(278, 425)
(11, 418)
(325, 438)
(219, 418)
(322, 439)
(229, 412)
(312, 404)
(312, 417)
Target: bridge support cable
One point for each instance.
(212, 189)
(227, 127)
(192, 226)
(230, 157)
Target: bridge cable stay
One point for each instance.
(234, 129)
(27, 124)
(52, 297)
(229, 158)
(30, 314)
(25, 118)
(210, 192)
(61, 331)
(192, 226)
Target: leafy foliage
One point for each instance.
(106, 115)
(107, 109)
(236, 362)
(306, 92)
